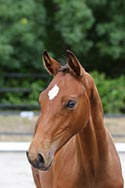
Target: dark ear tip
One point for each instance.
(45, 53)
(69, 52)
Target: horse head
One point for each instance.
(65, 110)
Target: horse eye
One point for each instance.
(70, 104)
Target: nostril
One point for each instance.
(37, 162)
(40, 159)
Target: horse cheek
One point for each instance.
(82, 117)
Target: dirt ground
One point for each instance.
(10, 124)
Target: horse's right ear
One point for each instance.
(74, 64)
(51, 65)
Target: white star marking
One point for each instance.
(53, 92)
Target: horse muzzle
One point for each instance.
(39, 162)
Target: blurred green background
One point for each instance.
(93, 30)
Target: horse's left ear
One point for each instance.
(74, 64)
(51, 65)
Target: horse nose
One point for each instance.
(38, 162)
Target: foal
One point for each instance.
(71, 148)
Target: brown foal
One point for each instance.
(71, 147)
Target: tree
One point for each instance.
(94, 30)
(22, 34)
(73, 21)
(95, 34)
(108, 36)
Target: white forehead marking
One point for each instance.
(53, 92)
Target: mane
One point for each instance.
(64, 69)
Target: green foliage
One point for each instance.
(93, 33)
(111, 92)
(108, 34)
(94, 30)
(73, 20)
(36, 87)
(22, 31)
(19, 97)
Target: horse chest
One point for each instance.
(61, 180)
(66, 171)
(68, 177)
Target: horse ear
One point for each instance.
(51, 65)
(74, 64)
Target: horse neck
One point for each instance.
(95, 103)
(92, 140)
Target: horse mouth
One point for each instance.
(45, 168)
(40, 167)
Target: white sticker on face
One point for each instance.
(53, 92)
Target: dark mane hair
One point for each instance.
(64, 69)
